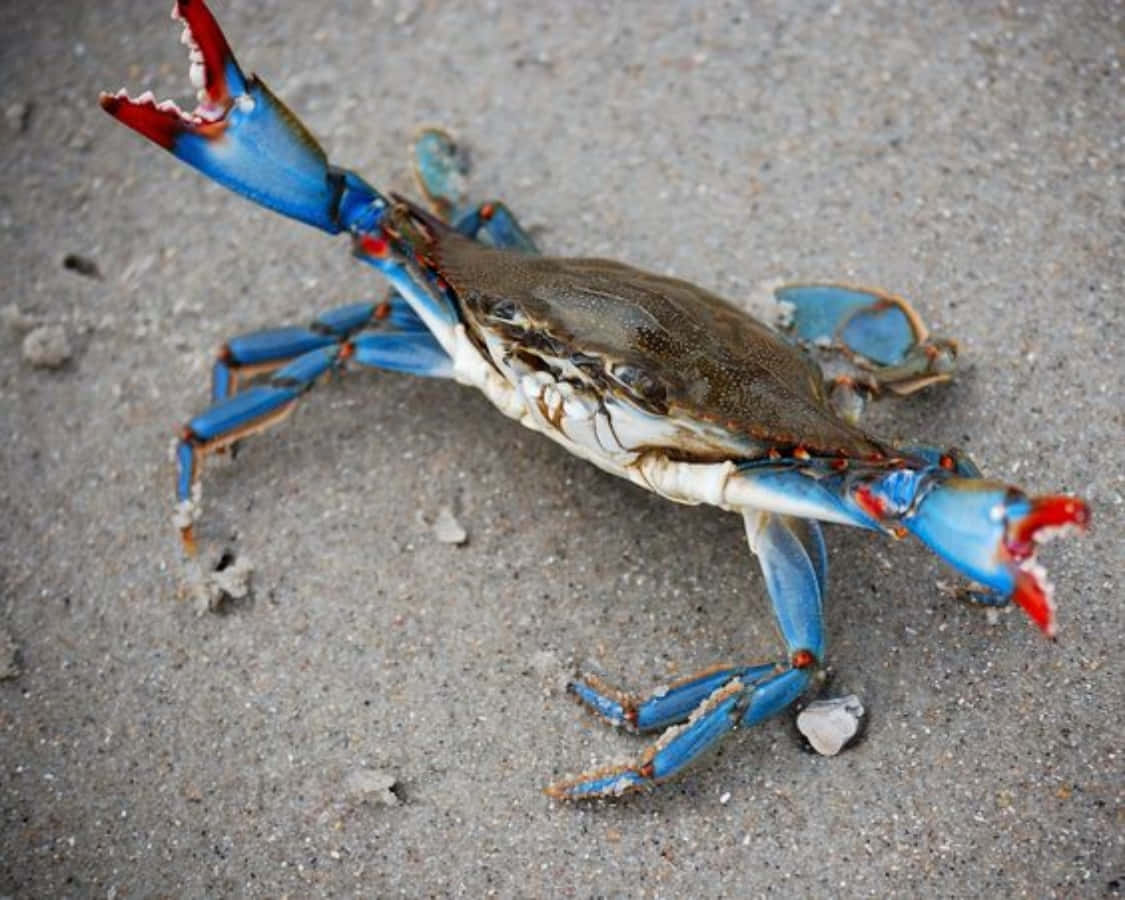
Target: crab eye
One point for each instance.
(640, 383)
(505, 310)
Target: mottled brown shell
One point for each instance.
(663, 342)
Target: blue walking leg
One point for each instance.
(258, 352)
(260, 406)
(716, 701)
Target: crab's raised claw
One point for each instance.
(245, 138)
(879, 332)
(989, 531)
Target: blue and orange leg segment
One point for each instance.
(245, 138)
(880, 333)
(262, 351)
(697, 712)
(263, 405)
(497, 224)
(666, 706)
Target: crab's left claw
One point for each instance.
(240, 134)
(990, 531)
(879, 332)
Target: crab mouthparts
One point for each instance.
(211, 65)
(1047, 518)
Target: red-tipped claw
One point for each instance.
(213, 71)
(990, 531)
(1047, 517)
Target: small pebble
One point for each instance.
(83, 265)
(371, 785)
(46, 347)
(16, 320)
(18, 115)
(447, 529)
(229, 580)
(9, 656)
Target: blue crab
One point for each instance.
(649, 378)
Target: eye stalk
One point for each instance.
(505, 310)
(648, 391)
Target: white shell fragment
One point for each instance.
(371, 785)
(46, 347)
(210, 590)
(829, 725)
(447, 529)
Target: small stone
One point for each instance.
(16, 320)
(229, 580)
(18, 115)
(46, 347)
(447, 529)
(234, 580)
(371, 785)
(830, 725)
(83, 265)
(9, 656)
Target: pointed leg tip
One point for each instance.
(600, 784)
(187, 541)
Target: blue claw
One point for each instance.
(441, 170)
(245, 138)
(879, 332)
(989, 531)
(877, 326)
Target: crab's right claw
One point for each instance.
(240, 134)
(990, 532)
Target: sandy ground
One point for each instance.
(968, 156)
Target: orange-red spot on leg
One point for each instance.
(382, 311)
(803, 659)
(187, 538)
(876, 507)
(648, 770)
(375, 246)
(487, 211)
